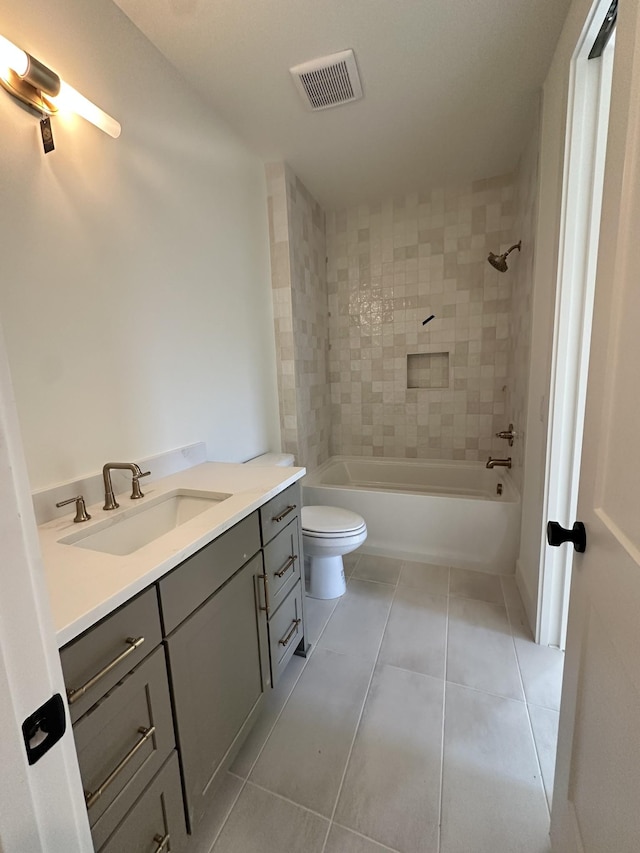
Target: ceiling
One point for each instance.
(450, 86)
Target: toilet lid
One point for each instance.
(330, 519)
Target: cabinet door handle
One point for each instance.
(74, 694)
(265, 581)
(92, 797)
(284, 514)
(290, 562)
(293, 630)
(161, 841)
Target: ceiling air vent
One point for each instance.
(328, 81)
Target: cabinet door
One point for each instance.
(214, 660)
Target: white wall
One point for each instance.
(135, 289)
(552, 140)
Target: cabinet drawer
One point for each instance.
(279, 511)
(123, 741)
(285, 631)
(97, 660)
(188, 586)
(282, 564)
(156, 814)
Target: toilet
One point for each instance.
(328, 533)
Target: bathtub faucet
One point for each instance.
(502, 463)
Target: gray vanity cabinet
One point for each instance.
(164, 690)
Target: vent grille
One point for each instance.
(328, 81)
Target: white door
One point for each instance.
(41, 806)
(596, 802)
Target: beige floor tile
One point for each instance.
(519, 622)
(274, 702)
(415, 637)
(344, 841)
(350, 561)
(544, 722)
(317, 612)
(358, 622)
(380, 569)
(306, 753)
(541, 669)
(392, 785)
(480, 650)
(466, 583)
(263, 823)
(493, 800)
(435, 579)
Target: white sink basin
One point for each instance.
(135, 528)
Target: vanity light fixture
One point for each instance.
(29, 80)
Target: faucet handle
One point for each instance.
(81, 509)
(135, 485)
(508, 433)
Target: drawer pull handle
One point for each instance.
(284, 514)
(74, 695)
(293, 630)
(92, 797)
(267, 605)
(161, 841)
(290, 562)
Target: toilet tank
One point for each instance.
(282, 460)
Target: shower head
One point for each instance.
(499, 262)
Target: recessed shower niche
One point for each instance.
(428, 370)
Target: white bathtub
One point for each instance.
(449, 513)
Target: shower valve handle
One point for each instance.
(509, 434)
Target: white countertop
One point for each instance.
(84, 586)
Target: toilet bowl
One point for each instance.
(328, 533)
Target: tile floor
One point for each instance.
(423, 721)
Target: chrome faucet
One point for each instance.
(110, 501)
(502, 463)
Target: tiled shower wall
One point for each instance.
(298, 274)
(392, 265)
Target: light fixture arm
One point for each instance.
(40, 77)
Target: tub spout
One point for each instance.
(502, 463)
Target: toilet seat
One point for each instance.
(330, 522)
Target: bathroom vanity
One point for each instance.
(165, 686)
